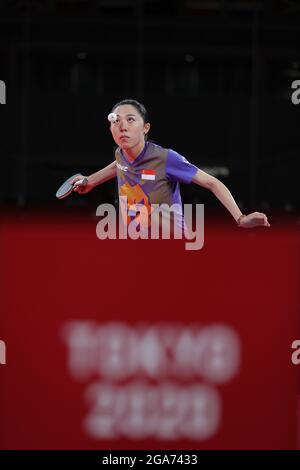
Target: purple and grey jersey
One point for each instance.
(153, 178)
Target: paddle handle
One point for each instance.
(82, 182)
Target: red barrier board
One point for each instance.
(124, 344)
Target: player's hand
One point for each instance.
(81, 188)
(255, 219)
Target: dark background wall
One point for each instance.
(215, 75)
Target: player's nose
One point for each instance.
(123, 125)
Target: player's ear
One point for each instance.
(147, 127)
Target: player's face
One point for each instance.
(129, 129)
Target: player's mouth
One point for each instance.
(124, 138)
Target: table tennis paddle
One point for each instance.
(67, 187)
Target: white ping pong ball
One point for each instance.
(112, 117)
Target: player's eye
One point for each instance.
(131, 119)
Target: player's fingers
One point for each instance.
(258, 219)
(81, 189)
(77, 178)
(263, 219)
(81, 182)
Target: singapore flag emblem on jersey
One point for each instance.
(148, 175)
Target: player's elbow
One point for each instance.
(205, 180)
(212, 183)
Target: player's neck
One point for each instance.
(132, 153)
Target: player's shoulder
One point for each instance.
(154, 146)
(173, 154)
(157, 150)
(169, 155)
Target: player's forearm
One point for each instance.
(225, 197)
(107, 173)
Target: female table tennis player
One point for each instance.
(150, 174)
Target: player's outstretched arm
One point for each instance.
(107, 173)
(225, 197)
